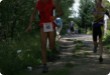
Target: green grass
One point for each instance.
(30, 54)
(107, 41)
(78, 46)
(77, 41)
(64, 71)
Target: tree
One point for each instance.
(66, 4)
(106, 4)
(15, 16)
(85, 14)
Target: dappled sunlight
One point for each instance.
(78, 36)
(83, 52)
(65, 41)
(59, 63)
(80, 60)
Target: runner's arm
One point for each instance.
(32, 18)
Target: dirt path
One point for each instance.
(77, 58)
(86, 60)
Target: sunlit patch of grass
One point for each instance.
(86, 53)
(107, 41)
(89, 32)
(78, 47)
(81, 53)
(78, 56)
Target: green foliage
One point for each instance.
(9, 60)
(66, 4)
(64, 29)
(107, 37)
(85, 15)
(106, 4)
(78, 45)
(107, 41)
(64, 71)
(15, 16)
(77, 41)
(13, 61)
(108, 25)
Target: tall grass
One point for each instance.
(107, 40)
(22, 51)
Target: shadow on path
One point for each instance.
(80, 60)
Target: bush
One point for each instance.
(107, 40)
(9, 60)
(17, 54)
(107, 37)
(23, 51)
